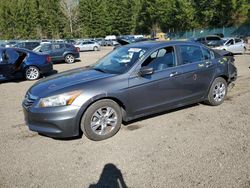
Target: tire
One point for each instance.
(69, 58)
(32, 73)
(245, 50)
(95, 48)
(97, 115)
(217, 92)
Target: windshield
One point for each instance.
(78, 43)
(120, 60)
(37, 49)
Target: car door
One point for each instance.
(88, 46)
(239, 46)
(47, 49)
(58, 51)
(198, 71)
(8, 58)
(84, 46)
(159, 90)
(229, 46)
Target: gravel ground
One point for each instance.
(196, 146)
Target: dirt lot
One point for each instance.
(197, 146)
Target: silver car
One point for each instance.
(234, 45)
(88, 46)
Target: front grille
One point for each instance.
(29, 100)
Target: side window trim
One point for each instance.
(157, 50)
(180, 57)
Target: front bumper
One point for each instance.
(57, 122)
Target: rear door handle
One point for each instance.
(173, 74)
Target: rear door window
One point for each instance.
(190, 54)
(47, 47)
(58, 46)
(11, 55)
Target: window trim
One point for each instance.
(180, 57)
(157, 49)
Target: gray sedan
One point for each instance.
(133, 81)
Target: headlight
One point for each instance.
(59, 100)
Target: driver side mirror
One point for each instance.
(146, 71)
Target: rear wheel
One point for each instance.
(95, 48)
(101, 120)
(32, 73)
(217, 92)
(69, 58)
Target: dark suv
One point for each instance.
(59, 51)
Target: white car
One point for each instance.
(88, 46)
(234, 45)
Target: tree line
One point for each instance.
(36, 19)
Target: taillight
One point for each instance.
(77, 49)
(48, 60)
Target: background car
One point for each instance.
(210, 40)
(234, 45)
(100, 41)
(121, 41)
(59, 51)
(10, 44)
(88, 46)
(132, 81)
(108, 43)
(30, 45)
(18, 63)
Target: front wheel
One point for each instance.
(95, 48)
(101, 120)
(217, 92)
(32, 73)
(69, 58)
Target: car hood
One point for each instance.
(64, 80)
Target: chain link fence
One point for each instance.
(237, 31)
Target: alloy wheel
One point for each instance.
(69, 59)
(103, 121)
(219, 91)
(32, 73)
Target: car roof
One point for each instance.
(19, 49)
(158, 44)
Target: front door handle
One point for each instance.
(208, 64)
(201, 65)
(173, 74)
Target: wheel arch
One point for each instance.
(217, 76)
(67, 53)
(29, 65)
(116, 100)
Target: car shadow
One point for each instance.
(111, 177)
(126, 124)
(159, 114)
(63, 62)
